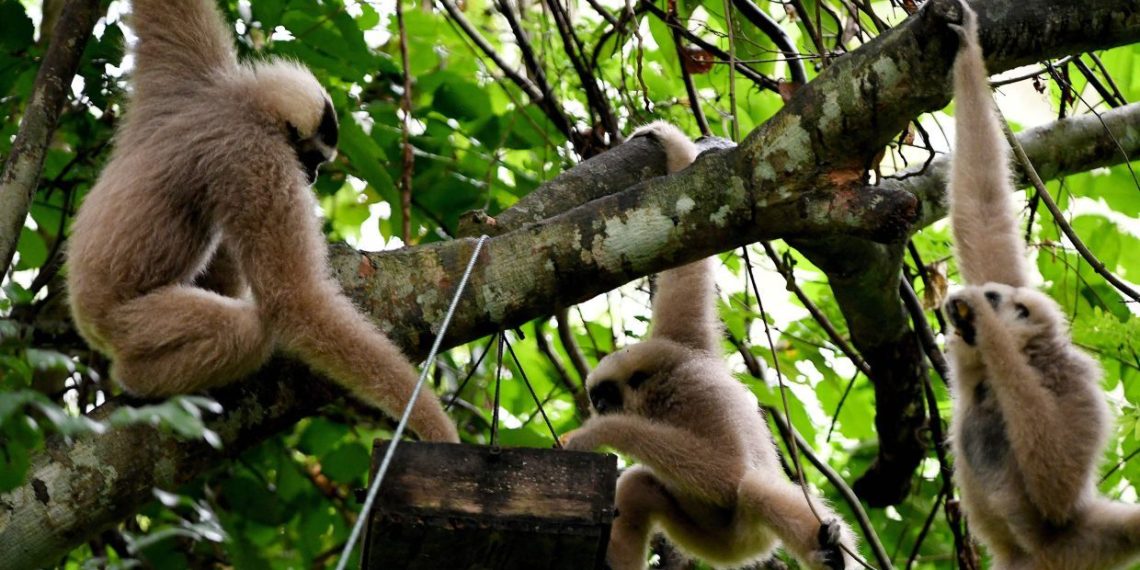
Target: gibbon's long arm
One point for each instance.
(684, 306)
(278, 241)
(686, 457)
(179, 41)
(980, 192)
(1054, 468)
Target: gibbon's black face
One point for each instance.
(318, 148)
(606, 396)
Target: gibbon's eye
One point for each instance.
(994, 299)
(1022, 311)
(637, 379)
(606, 397)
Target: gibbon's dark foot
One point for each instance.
(961, 314)
(831, 552)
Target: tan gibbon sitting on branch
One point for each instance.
(709, 474)
(198, 252)
(1030, 419)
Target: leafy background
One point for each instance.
(480, 143)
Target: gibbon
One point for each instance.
(198, 251)
(709, 473)
(1030, 420)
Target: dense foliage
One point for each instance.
(480, 141)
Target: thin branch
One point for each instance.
(409, 157)
(574, 52)
(1108, 96)
(922, 533)
(581, 403)
(772, 29)
(25, 160)
(1059, 217)
(549, 108)
(566, 337)
(682, 59)
(828, 328)
(789, 434)
(756, 77)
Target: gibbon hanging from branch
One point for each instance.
(709, 474)
(1030, 420)
(198, 252)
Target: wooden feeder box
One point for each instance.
(445, 506)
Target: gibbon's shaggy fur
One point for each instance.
(1030, 420)
(198, 251)
(709, 476)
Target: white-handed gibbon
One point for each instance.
(198, 250)
(709, 474)
(1030, 419)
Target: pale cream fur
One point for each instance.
(709, 473)
(198, 252)
(1030, 420)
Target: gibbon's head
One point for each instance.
(289, 93)
(635, 379)
(1027, 313)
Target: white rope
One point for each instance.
(374, 487)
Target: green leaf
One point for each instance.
(16, 27)
(347, 463)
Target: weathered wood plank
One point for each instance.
(448, 506)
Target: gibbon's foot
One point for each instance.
(831, 553)
(961, 314)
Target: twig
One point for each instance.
(813, 32)
(573, 49)
(828, 328)
(1059, 216)
(772, 29)
(1107, 76)
(409, 157)
(549, 108)
(925, 529)
(682, 57)
(581, 404)
(566, 337)
(788, 434)
(962, 544)
(794, 446)
(1108, 96)
(756, 77)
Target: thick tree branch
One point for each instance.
(22, 168)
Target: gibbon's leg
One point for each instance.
(698, 468)
(684, 306)
(981, 192)
(780, 506)
(180, 339)
(1054, 476)
(1108, 537)
(283, 253)
(223, 275)
(641, 501)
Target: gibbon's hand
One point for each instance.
(578, 440)
(967, 30)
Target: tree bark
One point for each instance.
(798, 176)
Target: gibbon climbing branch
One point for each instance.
(800, 175)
